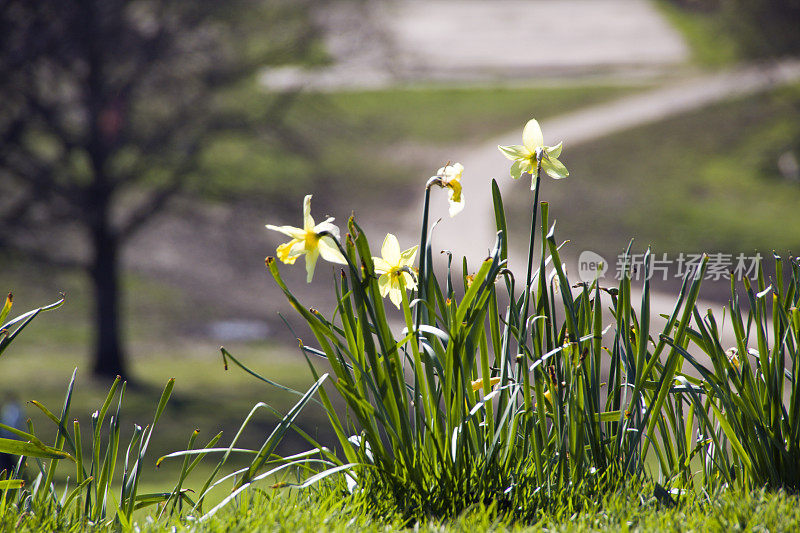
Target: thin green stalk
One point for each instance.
(419, 371)
(422, 284)
(523, 336)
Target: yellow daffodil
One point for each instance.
(548, 398)
(478, 383)
(449, 177)
(393, 266)
(733, 357)
(470, 279)
(308, 241)
(525, 155)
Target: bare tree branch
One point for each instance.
(158, 198)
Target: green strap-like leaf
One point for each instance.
(28, 449)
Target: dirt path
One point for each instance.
(380, 43)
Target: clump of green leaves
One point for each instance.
(487, 395)
(748, 411)
(90, 500)
(521, 393)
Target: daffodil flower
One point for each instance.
(548, 399)
(449, 177)
(478, 383)
(525, 155)
(308, 241)
(733, 357)
(393, 266)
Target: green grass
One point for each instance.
(630, 510)
(449, 115)
(633, 510)
(206, 397)
(373, 137)
(152, 306)
(705, 181)
(710, 44)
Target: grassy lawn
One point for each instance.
(449, 115)
(327, 509)
(710, 45)
(356, 137)
(206, 397)
(705, 181)
(622, 511)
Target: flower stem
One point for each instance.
(523, 336)
(422, 285)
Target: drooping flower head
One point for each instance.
(308, 241)
(525, 156)
(733, 357)
(478, 383)
(449, 177)
(393, 266)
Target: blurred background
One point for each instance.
(144, 145)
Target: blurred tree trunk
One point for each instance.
(109, 359)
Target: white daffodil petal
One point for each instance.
(553, 151)
(327, 227)
(514, 152)
(384, 284)
(453, 172)
(519, 167)
(308, 222)
(409, 282)
(311, 262)
(455, 206)
(516, 170)
(291, 231)
(381, 266)
(396, 296)
(298, 248)
(407, 257)
(330, 252)
(532, 136)
(390, 250)
(554, 168)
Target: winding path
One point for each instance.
(384, 43)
